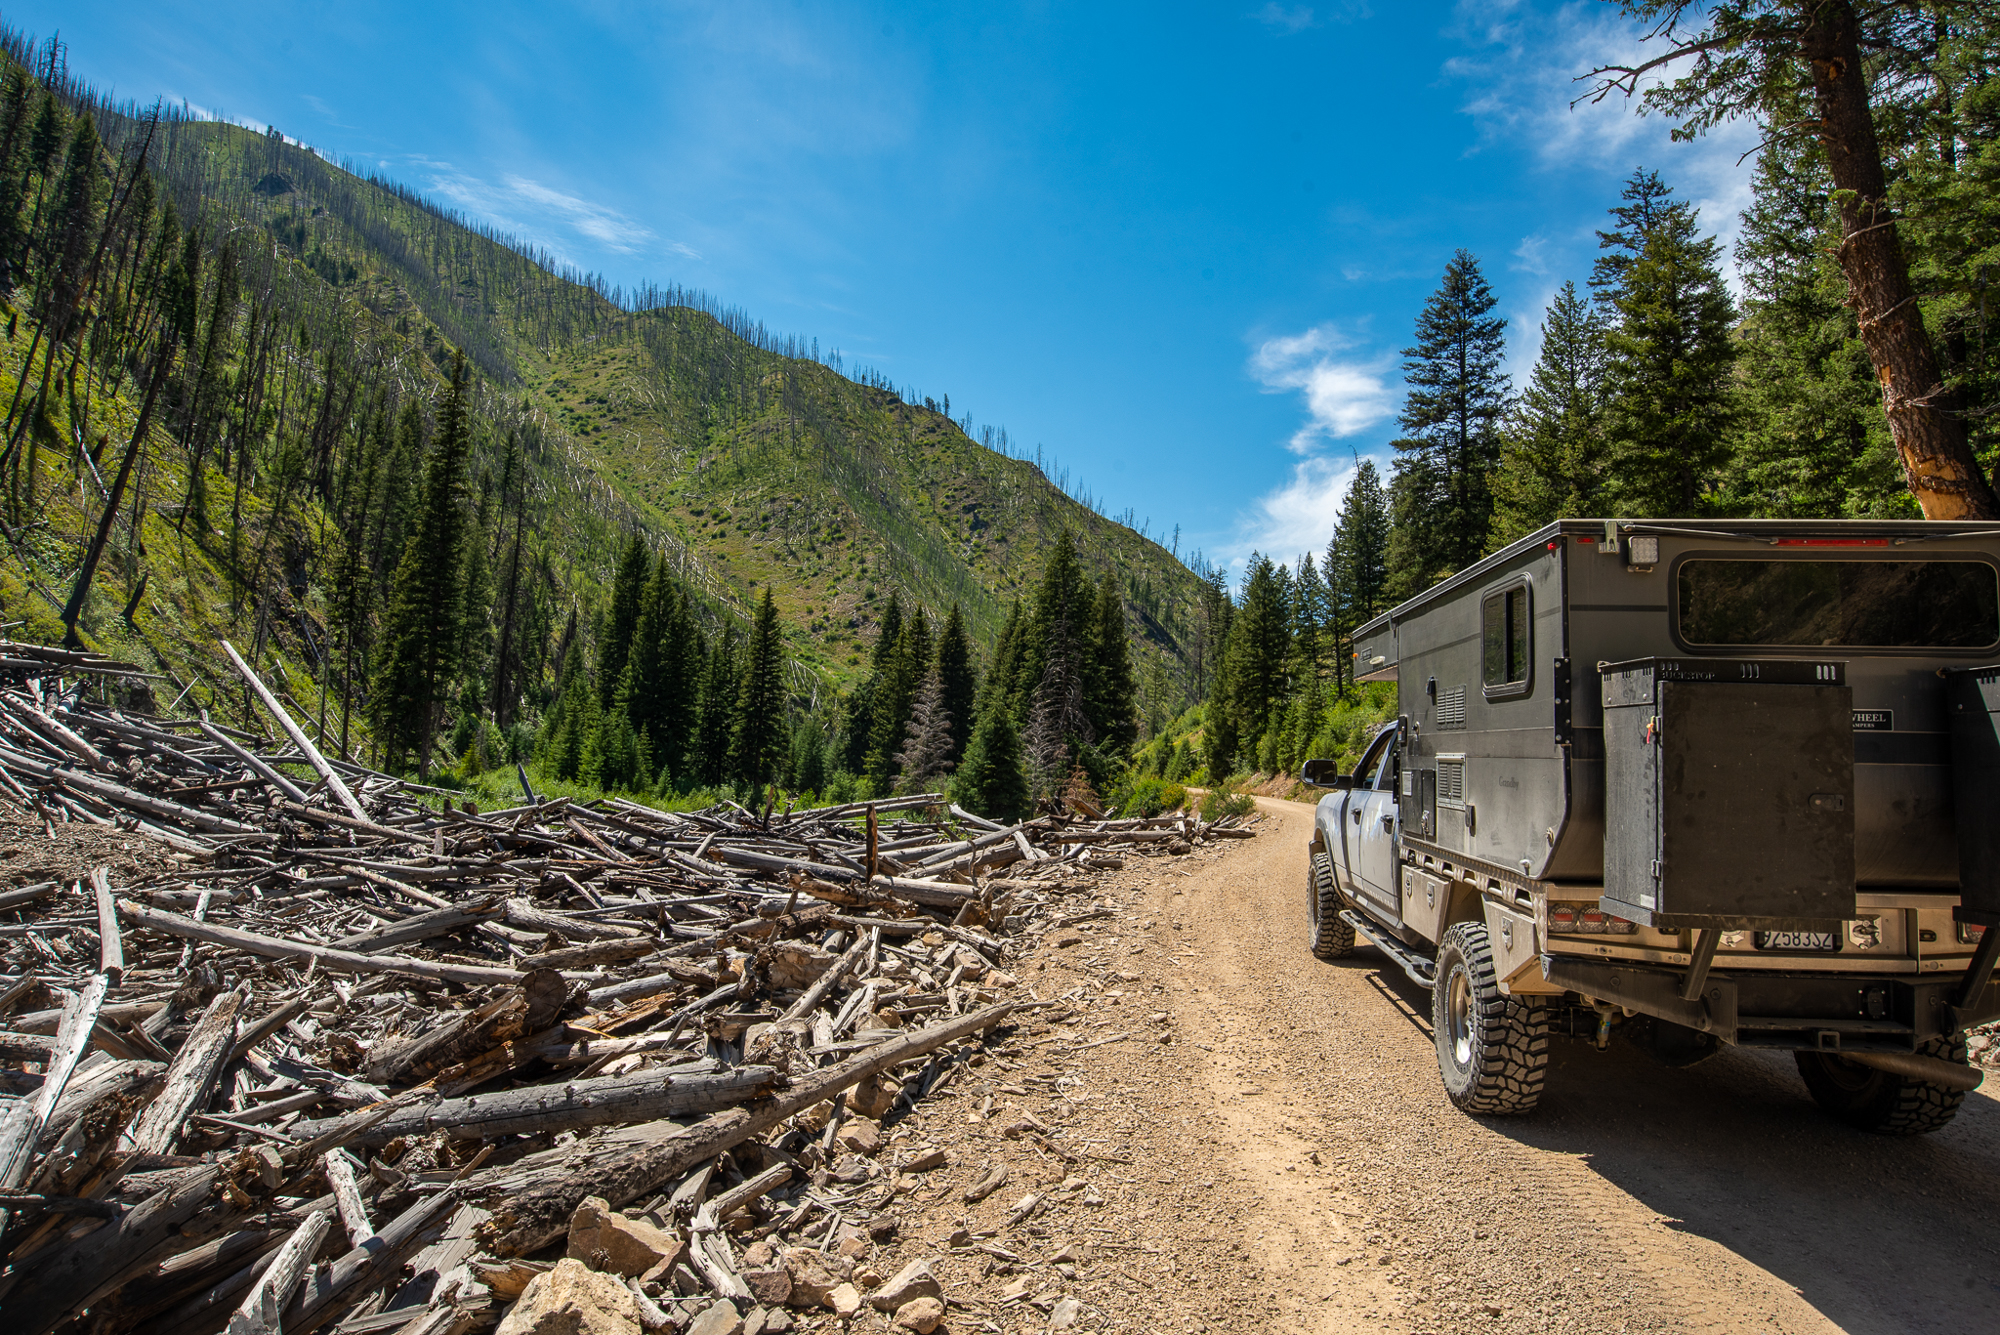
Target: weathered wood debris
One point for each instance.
(372, 1060)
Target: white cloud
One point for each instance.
(1531, 255)
(543, 214)
(1296, 517)
(1344, 396)
(1523, 86)
(1293, 19)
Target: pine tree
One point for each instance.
(1110, 692)
(895, 689)
(1551, 456)
(1259, 645)
(643, 692)
(1058, 722)
(1219, 736)
(860, 729)
(425, 625)
(758, 746)
(991, 781)
(960, 681)
(1357, 560)
(716, 713)
(1065, 606)
(1003, 680)
(1670, 402)
(621, 621)
(1814, 441)
(808, 760)
(925, 758)
(1443, 505)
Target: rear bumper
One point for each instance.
(1889, 1013)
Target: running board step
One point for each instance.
(1422, 972)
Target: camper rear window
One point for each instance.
(1504, 635)
(1856, 604)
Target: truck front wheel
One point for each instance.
(1493, 1049)
(1883, 1102)
(1332, 935)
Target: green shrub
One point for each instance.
(1150, 795)
(1223, 800)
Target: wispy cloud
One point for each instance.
(1298, 516)
(1524, 79)
(552, 217)
(1344, 395)
(1286, 18)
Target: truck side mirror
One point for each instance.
(1325, 774)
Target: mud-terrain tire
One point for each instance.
(1883, 1102)
(1330, 935)
(1492, 1049)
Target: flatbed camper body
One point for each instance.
(1711, 772)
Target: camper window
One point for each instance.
(1504, 635)
(1855, 604)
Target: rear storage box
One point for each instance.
(1729, 793)
(1972, 697)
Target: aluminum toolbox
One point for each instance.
(1729, 793)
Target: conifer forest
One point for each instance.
(494, 523)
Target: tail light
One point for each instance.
(1587, 918)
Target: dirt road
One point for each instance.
(1286, 1160)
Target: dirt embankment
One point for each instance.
(1285, 1159)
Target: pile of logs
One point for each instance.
(369, 1059)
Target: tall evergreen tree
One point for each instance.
(895, 690)
(621, 620)
(1813, 440)
(1552, 454)
(861, 720)
(425, 624)
(1111, 692)
(760, 737)
(991, 781)
(1443, 504)
(960, 681)
(715, 716)
(1670, 401)
(925, 758)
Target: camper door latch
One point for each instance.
(1560, 691)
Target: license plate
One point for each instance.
(1821, 942)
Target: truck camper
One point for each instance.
(1688, 783)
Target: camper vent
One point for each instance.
(1451, 708)
(1451, 781)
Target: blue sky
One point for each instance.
(1177, 246)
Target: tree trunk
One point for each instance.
(1929, 435)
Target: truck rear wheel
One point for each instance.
(1332, 936)
(1492, 1049)
(1883, 1102)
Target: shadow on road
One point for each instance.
(1883, 1236)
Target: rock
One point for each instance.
(914, 1280)
(767, 1321)
(762, 1253)
(859, 1135)
(1180, 848)
(845, 1300)
(883, 1020)
(770, 1283)
(718, 1318)
(1064, 940)
(1065, 1314)
(573, 1299)
(874, 1099)
(884, 1227)
(867, 1277)
(811, 1280)
(920, 1315)
(852, 1242)
(605, 1240)
(926, 1160)
(998, 979)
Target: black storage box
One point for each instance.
(1972, 698)
(1729, 793)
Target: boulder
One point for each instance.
(811, 1280)
(872, 1098)
(573, 1299)
(845, 1300)
(859, 1136)
(718, 1318)
(913, 1281)
(921, 1315)
(605, 1240)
